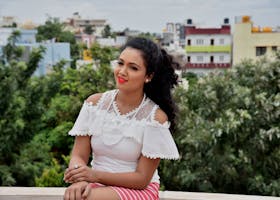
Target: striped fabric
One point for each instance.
(149, 193)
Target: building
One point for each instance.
(252, 42)
(78, 25)
(8, 21)
(172, 34)
(208, 48)
(54, 52)
(26, 36)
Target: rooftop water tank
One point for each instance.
(267, 29)
(246, 19)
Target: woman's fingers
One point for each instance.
(75, 191)
(86, 192)
(74, 175)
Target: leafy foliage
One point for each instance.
(37, 113)
(228, 133)
(15, 122)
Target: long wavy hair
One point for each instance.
(162, 67)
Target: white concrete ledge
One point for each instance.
(51, 193)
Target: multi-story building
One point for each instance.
(208, 48)
(54, 52)
(252, 42)
(78, 25)
(171, 34)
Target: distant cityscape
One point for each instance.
(199, 50)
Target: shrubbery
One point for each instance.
(228, 133)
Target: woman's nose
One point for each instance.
(123, 70)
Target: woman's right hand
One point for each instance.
(75, 191)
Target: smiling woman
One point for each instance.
(127, 130)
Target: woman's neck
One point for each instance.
(129, 99)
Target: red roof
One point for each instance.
(193, 30)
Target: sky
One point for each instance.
(146, 15)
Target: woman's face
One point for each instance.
(130, 70)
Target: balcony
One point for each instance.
(207, 65)
(208, 49)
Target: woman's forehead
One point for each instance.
(132, 55)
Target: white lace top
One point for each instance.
(118, 140)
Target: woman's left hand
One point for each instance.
(79, 173)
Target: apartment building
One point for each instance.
(253, 42)
(208, 48)
(77, 24)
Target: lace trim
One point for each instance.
(100, 100)
(153, 113)
(79, 133)
(142, 122)
(162, 156)
(133, 111)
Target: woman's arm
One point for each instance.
(134, 180)
(81, 151)
(79, 156)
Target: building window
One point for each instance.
(199, 42)
(221, 58)
(189, 42)
(260, 51)
(222, 41)
(274, 48)
(211, 59)
(212, 41)
(199, 58)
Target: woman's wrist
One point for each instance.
(95, 176)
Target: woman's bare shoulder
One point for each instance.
(161, 116)
(94, 98)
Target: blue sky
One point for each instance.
(146, 15)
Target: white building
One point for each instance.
(208, 48)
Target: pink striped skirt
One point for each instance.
(151, 192)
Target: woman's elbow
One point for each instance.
(143, 184)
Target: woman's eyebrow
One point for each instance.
(131, 63)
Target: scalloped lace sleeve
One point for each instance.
(159, 143)
(81, 126)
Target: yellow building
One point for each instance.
(251, 42)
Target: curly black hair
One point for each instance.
(162, 67)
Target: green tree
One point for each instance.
(103, 54)
(54, 29)
(228, 133)
(37, 112)
(11, 51)
(88, 30)
(16, 126)
(107, 31)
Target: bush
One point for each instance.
(228, 133)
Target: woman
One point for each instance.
(127, 129)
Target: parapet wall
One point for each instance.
(51, 193)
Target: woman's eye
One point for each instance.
(134, 68)
(120, 63)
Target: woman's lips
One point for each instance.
(121, 80)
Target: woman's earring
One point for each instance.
(147, 81)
